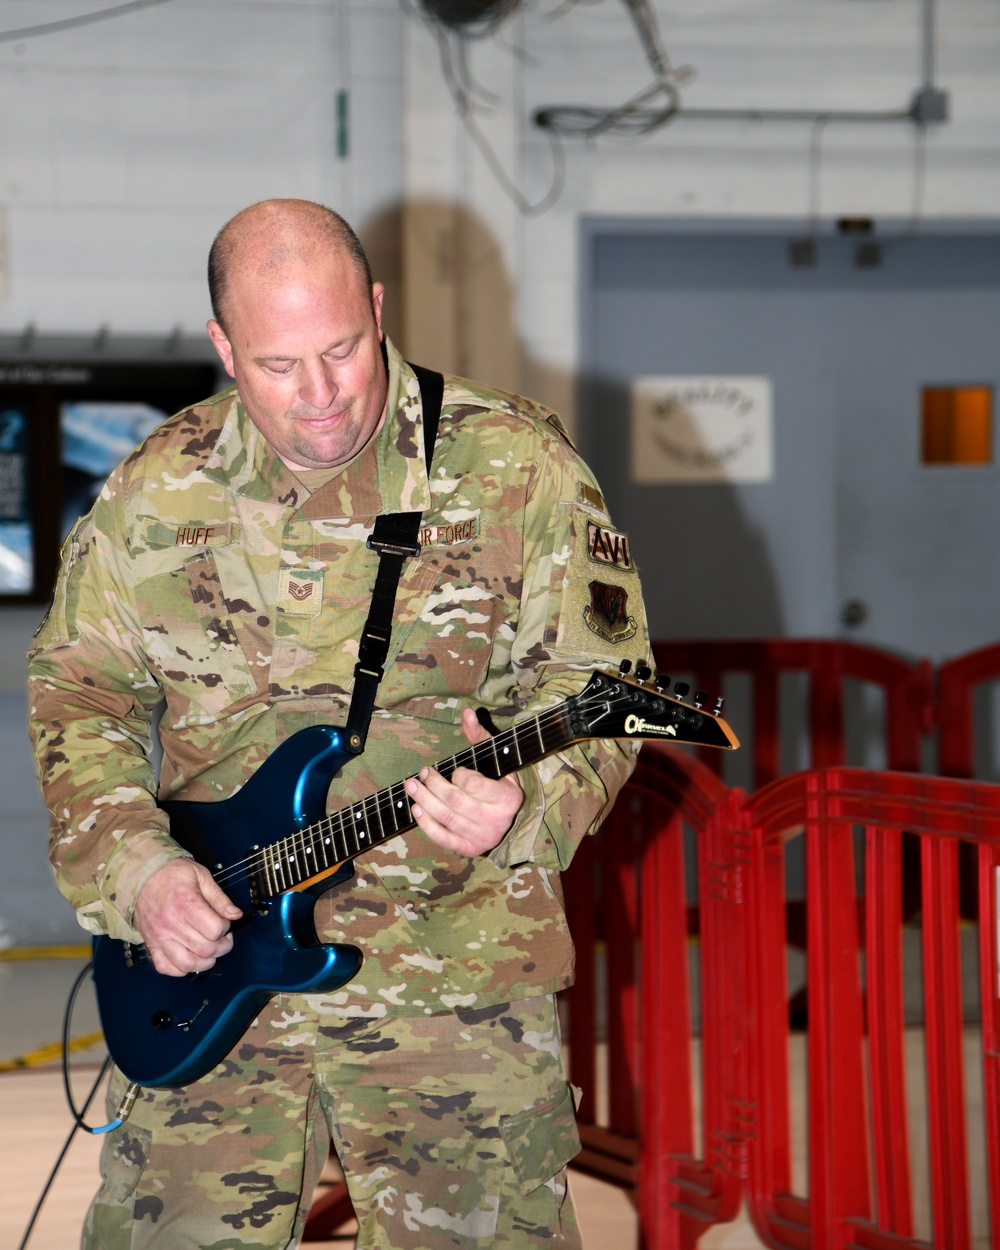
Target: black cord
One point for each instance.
(69, 23)
(78, 1122)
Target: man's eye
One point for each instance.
(280, 369)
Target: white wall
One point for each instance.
(783, 54)
(125, 145)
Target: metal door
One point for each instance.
(851, 519)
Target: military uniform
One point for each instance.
(209, 577)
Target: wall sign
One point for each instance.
(701, 429)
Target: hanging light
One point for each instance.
(469, 16)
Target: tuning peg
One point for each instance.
(699, 698)
(718, 705)
(643, 673)
(624, 668)
(680, 689)
(662, 682)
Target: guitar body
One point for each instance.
(169, 1031)
(273, 848)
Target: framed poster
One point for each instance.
(63, 428)
(695, 429)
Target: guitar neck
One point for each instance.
(314, 852)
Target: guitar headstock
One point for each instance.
(621, 705)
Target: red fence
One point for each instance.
(629, 904)
(694, 1166)
(680, 839)
(859, 1178)
(859, 1192)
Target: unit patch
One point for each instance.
(300, 591)
(607, 546)
(607, 615)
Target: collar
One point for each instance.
(389, 475)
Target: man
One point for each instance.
(224, 575)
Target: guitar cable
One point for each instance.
(128, 1098)
(124, 1107)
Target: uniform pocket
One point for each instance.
(123, 1159)
(542, 1140)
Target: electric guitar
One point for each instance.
(168, 1031)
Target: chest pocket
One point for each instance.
(204, 656)
(445, 652)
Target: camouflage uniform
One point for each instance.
(209, 577)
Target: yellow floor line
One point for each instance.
(49, 1053)
(45, 952)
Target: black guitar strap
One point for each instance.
(395, 540)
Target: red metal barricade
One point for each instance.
(957, 681)
(858, 1193)
(627, 901)
(632, 1028)
(827, 666)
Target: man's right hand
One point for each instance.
(184, 918)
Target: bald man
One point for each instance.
(222, 581)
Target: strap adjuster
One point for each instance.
(392, 549)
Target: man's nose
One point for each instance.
(319, 384)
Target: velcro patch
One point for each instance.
(592, 497)
(607, 613)
(608, 546)
(300, 591)
(450, 535)
(159, 534)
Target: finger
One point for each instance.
(217, 898)
(473, 730)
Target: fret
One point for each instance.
(484, 760)
(401, 814)
(330, 841)
(359, 827)
(380, 836)
(276, 867)
(511, 755)
(322, 843)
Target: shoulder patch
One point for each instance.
(607, 613)
(607, 546)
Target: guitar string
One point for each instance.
(371, 805)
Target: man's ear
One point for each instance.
(222, 345)
(378, 290)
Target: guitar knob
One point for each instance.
(662, 682)
(624, 668)
(643, 673)
(680, 689)
(718, 705)
(699, 698)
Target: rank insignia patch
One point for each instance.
(301, 591)
(607, 615)
(607, 546)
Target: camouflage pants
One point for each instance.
(452, 1130)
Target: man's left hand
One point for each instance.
(470, 813)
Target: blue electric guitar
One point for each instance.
(169, 1031)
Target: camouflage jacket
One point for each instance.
(208, 579)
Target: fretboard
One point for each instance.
(319, 848)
